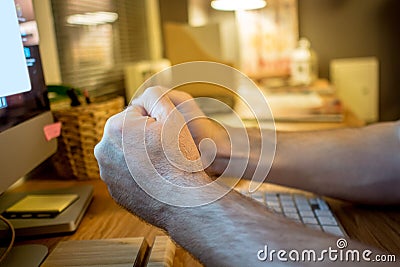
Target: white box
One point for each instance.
(357, 84)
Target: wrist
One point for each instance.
(185, 223)
(199, 191)
(244, 153)
(211, 230)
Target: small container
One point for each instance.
(304, 63)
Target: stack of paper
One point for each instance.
(289, 106)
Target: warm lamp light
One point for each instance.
(93, 18)
(232, 5)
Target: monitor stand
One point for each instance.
(25, 255)
(66, 222)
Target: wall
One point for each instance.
(172, 11)
(48, 44)
(198, 13)
(357, 28)
(229, 39)
(229, 34)
(154, 29)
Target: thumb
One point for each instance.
(186, 105)
(155, 103)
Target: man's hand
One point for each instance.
(234, 152)
(204, 130)
(139, 145)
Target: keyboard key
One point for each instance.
(312, 212)
(258, 194)
(292, 215)
(313, 201)
(327, 220)
(273, 204)
(306, 213)
(286, 197)
(323, 212)
(289, 209)
(322, 204)
(272, 197)
(335, 230)
(277, 209)
(309, 220)
(304, 208)
(300, 199)
(288, 204)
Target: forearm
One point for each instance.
(231, 231)
(361, 164)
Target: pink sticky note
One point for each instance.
(52, 131)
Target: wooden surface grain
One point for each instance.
(104, 219)
(112, 252)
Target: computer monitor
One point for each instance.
(24, 113)
(24, 105)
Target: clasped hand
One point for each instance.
(147, 153)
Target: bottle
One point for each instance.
(303, 64)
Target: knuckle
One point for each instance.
(154, 91)
(108, 157)
(98, 151)
(113, 125)
(111, 141)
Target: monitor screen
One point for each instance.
(24, 105)
(23, 92)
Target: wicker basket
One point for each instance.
(82, 128)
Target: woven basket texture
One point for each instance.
(82, 128)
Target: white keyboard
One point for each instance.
(313, 211)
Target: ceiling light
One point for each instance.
(93, 18)
(232, 5)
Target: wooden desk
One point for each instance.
(104, 219)
(379, 227)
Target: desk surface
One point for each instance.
(379, 227)
(103, 219)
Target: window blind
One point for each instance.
(92, 57)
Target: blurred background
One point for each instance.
(112, 46)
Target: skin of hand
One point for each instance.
(144, 113)
(203, 128)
